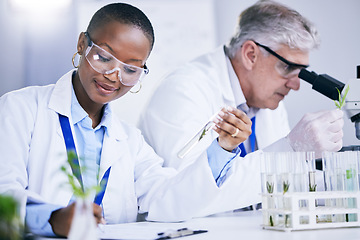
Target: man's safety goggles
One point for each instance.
(105, 63)
(285, 68)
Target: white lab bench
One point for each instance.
(231, 225)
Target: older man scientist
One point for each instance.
(253, 72)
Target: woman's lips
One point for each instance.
(105, 88)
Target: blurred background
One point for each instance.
(38, 39)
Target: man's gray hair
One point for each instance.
(273, 24)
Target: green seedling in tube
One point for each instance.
(270, 187)
(286, 186)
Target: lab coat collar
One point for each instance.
(106, 121)
(60, 102)
(77, 112)
(114, 129)
(235, 84)
(225, 84)
(115, 132)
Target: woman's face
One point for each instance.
(126, 43)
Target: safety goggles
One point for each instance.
(105, 63)
(285, 68)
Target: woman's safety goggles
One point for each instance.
(105, 63)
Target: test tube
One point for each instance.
(311, 168)
(327, 161)
(328, 170)
(340, 158)
(358, 168)
(300, 174)
(334, 181)
(351, 170)
(285, 185)
(284, 168)
(268, 179)
(268, 173)
(350, 163)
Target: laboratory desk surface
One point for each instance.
(230, 225)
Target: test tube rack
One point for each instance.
(310, 210)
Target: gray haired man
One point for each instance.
(253, 72)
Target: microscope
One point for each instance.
(330, 87)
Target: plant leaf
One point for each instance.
(202, 134)
(270, 187)
(73, 181)
(341, 102)
(286, 186)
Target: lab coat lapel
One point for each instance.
(60, 101)
(108, 155)
(225, 84)
(111, 144)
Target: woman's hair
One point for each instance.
(273, 24)
(123, 13)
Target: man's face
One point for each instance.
(269, 82)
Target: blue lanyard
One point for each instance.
(75, 167)
(252, 139)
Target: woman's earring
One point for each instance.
(73, 60)
(138, 89)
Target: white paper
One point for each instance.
(135, 231)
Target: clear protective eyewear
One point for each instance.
(286, 68)
(105, 63)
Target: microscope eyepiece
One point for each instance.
(323, 83)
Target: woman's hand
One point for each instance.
(60, 220)
(233, 127)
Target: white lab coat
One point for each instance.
(188, 97)
(32, 151)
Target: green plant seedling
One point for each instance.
(340, 103)
(74, 183)
(286, 186)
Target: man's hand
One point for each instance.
(60, 220)
(320, 131)
(233, 127)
